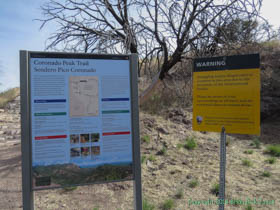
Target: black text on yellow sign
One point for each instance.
(226, 93)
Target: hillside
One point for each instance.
(171, 173)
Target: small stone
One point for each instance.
(162, 130)
(185, 121)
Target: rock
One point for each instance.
(149, 122)
(187, 122)
(149, 164)
(188, 176)
(162, 130)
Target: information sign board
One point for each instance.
(81, 121)
(226, 93)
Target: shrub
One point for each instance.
(246, 162)
(249, 207)
(249, 152)
(7, 96)
(146, 139)
(215, 189)
(168, 204)
(266, 174)
(163, 151)
(143, 158)
(179, 194)
(151, 158)
(256, 142)
(190, 143)
(147, 205)
(271, 160)
(193, 183)
(273, 150)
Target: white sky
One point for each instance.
(19, 31)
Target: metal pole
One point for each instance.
(27, 193)
(135, 130)
(222, 184)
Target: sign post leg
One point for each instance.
(27, 193)
(222, 170)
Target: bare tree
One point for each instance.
(162, 32)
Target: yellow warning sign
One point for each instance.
(225, 96)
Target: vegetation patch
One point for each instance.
(147, 205)
(190, 143)
(179, 146)
(271, 160)
(143, 158)
(146, 139)
(249, 152)
(69, 189)
(179, 194)
(249, 207)
(163, 151)
(256, 143)
(7, 96)
(273, 150)
(215, 189)
(266, 174)
(246, 162)
(168, 204)
(151, 158)
(193, 183)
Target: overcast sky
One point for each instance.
(19, 31)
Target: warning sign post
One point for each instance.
(226, 98)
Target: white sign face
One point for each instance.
(80, 119)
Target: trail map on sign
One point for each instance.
(83, 95)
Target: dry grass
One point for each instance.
(8, 96)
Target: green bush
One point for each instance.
(143, 158)
(249, 152)
(193, 183)
(146, 139)
(190, 143)
(271, 160)
(266, 174)
(256, 142)
(273, 150)
(151, 158)
(147, 205)
(168, 204)
(249, 207)
(215, 189)
(246, 162)
(163, 151)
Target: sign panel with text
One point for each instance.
(226, 93)
(80, 107)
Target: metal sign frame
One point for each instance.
(25, 93)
